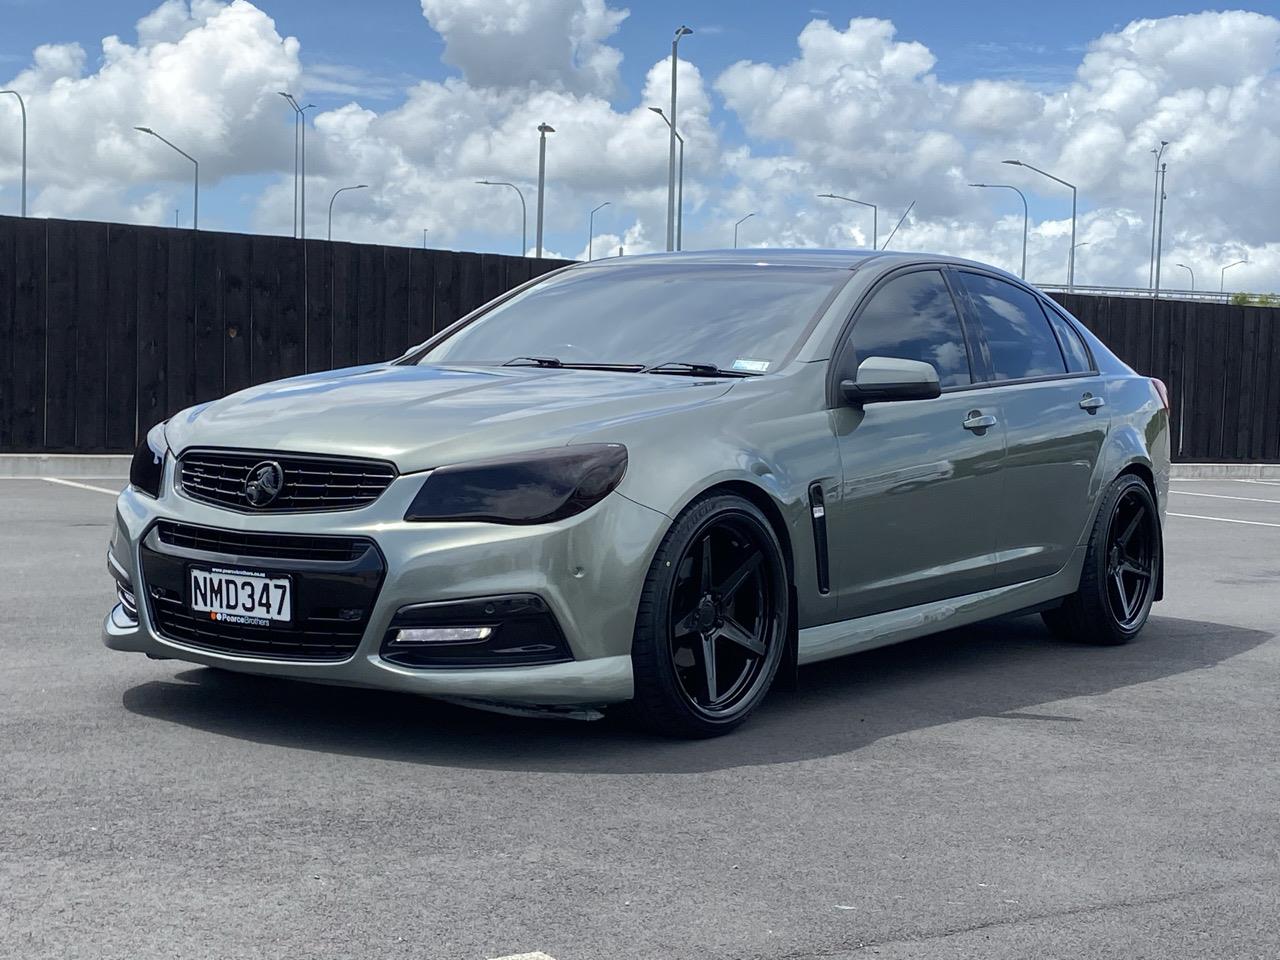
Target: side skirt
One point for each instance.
(894, 626)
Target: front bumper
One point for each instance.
(588, 569)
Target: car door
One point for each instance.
(913, 521)
(1055, 419)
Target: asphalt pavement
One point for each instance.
(986, 793)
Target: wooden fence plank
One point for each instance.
(396, 302)
(92, 342)
(422, 292)
(153, 327)
(235, 311)
(181, 317)
(319, 267)
(121, 319)
(60, 336)
(7, 238)
(208, 333)
(372, 298)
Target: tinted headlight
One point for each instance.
(537, 487)
(147, 467)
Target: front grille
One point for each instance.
(335, 581)
(282, 546)
(311, 482)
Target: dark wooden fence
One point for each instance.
(106, 329)
(1221, 363)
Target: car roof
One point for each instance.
(793, 256)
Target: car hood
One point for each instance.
(420, 417)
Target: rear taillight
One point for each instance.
(1163, 391)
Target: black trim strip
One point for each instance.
(818, 513)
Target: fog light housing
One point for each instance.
(505, 631)
(418, 636)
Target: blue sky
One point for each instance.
(372, 53)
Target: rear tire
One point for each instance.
(1121, 570)
(716, 593)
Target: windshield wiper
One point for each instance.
(681, 369)
(555, 363)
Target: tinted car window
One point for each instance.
(1018, 336)
(744, 318)
(912, 317)
(1072, 345)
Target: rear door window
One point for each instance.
(1073, 347)
(1019, 339)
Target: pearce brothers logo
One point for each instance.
(264, 483)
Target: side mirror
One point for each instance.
(887, 378)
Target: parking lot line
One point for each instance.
(1223, 496)
(80, 486)
(1252, 523)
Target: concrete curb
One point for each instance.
(67, 465)
(1225, 471)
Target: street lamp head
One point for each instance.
(659, 112)
(145, 130)
(683, 31)
(545, 128)
(1016, 163)
(485, 182)
(360, 186)
(979, 184)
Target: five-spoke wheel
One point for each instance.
(712, 623)
(1122, 563)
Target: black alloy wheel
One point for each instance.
(712, 625)
(1131, 550)
(1121, 570)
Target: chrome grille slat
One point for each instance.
(312, 482)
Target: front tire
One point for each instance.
(1121, 567)
(712, 623)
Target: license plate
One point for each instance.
(240, 596)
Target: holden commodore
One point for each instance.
(657, 484)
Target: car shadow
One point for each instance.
(999, 669)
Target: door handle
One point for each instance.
(1091, 403)
(977, 421)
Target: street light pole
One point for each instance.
(735, 229)
(1155, 200)
(195, 205)
(22, 106)
(358, 186)
(875, 213)
(680, 178)
(671, 142)
(1082, 243)
(1160, 228)
(543, 130)
(1009, 186)
(524, 212)
(1190, 271)
(591, 228)
(1222, 274)
(300, 120)
(1071, 262)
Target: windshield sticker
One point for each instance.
(751, 366)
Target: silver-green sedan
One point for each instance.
(657, 483)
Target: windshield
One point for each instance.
(739, 318)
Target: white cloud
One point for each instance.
(556, 44)
(858, 109)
